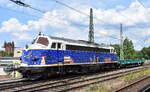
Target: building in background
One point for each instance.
(9, 50)
(9, 47)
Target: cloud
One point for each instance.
(49, 19)
(120, 7)
(132, 15)
(23, 36)
(72, 33)
(70, 24)
(12, 25)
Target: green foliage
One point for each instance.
(100, 87)
(128, 49)
(5, 54)
(145, 53)
(132, 76)
(117, 48)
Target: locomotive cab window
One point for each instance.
(43, 41)
(56, 46)
(53, 45)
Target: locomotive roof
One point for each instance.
(78, 41)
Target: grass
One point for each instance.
(132, 76)
(112, 84)
(101, 87)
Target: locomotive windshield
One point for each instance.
(43, 41)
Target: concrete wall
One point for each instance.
(2, 71)
(6, 62)
(147, 62)
(17, 52)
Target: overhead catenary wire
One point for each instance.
(18, 12)
(76, 10)
(59, 2)
(29, 6)
(143, 6)
(66, 5)
(131, 19)
(37, 9)
(20, 3)
(23, 13)
(141, 41)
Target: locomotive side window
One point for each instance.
(113, 50)
(56, 46)
(53, 45)
(83, 48)
(43, 41)
(59, 46)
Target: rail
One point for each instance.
(135, 86)
(75, 82)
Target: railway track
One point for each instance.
(12, 83)
(8, 79)
(67, 84)
(30, 85)
(146, 89)
(136, 86)
(16, 83)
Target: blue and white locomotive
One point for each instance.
(49, 55)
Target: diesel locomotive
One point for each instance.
(48, 55)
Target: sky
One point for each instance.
(22, 24)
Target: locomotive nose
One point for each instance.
(34, 58)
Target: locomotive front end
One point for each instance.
(31, 58)
(34, 57)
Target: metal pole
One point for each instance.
(121, 43)
(91, 27)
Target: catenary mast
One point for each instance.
(91, 27)
(121, 43)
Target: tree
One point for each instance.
(5, 54)
(128, 49)
(145, 53)
(117, 48)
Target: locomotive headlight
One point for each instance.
(23, 63)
